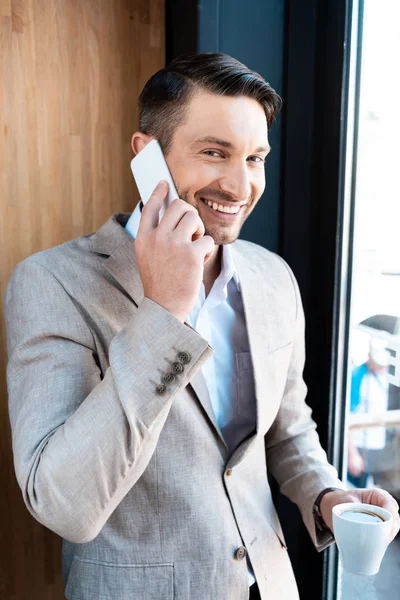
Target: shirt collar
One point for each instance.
(132, 225)
(228, 267)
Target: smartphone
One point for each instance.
(149, 167)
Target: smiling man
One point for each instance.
(216, 155)
(155, 370)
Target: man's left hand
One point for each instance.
(373, 496)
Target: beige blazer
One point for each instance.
(135, 478)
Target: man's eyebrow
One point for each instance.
(263, 148)
(210, 139)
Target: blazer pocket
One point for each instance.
(246, 394)
(93, 580)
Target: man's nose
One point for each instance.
(236, 181)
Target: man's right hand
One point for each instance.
(171, 253)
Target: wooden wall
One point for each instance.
(70, 75)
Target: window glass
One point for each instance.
(373, 373)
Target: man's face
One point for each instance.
(217, 155)
(374, 367)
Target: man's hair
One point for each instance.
(167, 93)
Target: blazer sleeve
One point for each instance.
(295, 456)
(80, 439)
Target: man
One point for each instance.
(369, 394)
(155, 370)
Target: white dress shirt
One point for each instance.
(228, 374)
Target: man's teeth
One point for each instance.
(233, 210)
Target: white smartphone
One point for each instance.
(149, 167)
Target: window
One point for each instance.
(371, 334)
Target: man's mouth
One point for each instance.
(221, 208)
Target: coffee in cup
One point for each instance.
(361, 516)
(362, 533)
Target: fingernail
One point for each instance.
(163, 183)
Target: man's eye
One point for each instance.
(209, 152)
(258, 159)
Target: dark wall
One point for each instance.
(253, 32)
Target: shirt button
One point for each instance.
(161, 389)
(184, 357)
(240, 553)
(228, 473)
(168, 377)
(177, 367)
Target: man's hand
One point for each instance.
(355, 463)
(377, 497)
(171, 253)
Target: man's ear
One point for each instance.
(139, 141)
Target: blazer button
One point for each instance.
(184, 357)
(161, 389)
(177, 367)
(168, 377)
(240, 553)
(228, 473)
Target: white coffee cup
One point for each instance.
(362, 534)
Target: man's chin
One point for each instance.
(222, 237)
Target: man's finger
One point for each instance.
(178, 216)
(191, 225)
(395, 527)
(205, 245)
(387, 501)
(151, 210)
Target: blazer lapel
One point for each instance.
(113, 240)
(117, 244)
(257, 321)
(199, 385)
(260, 302)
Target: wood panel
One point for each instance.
(70, 75)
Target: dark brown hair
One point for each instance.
(165, 96)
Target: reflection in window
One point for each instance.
(373, 420)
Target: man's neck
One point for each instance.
(212, 269)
